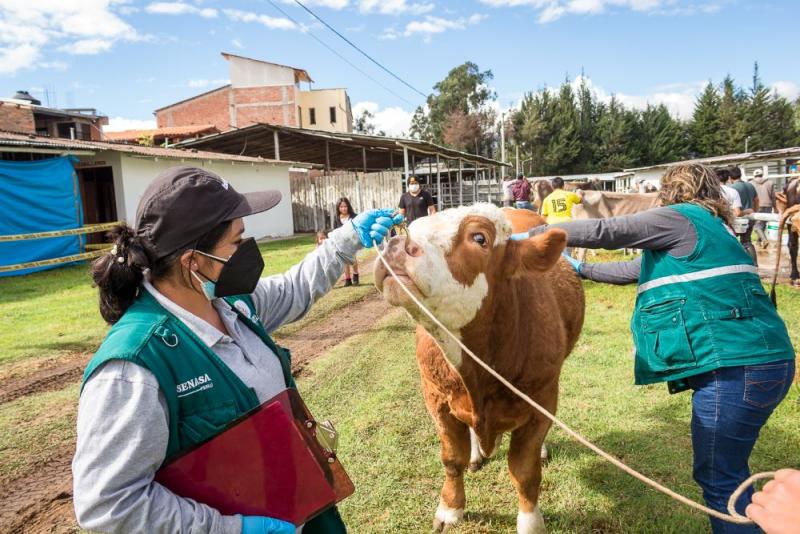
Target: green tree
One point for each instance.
(731, 114)
(617, 140)
(757, 119)
(705, 128)
(420, 127)
(364, 124)
(587, 126)
(465, 88)
(783, 130)
(663, 139)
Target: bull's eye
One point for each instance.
(479, 239)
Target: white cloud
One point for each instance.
(87, 47)
(120, 124)
(180, 8)
(790, 90)
(206, 83)
(395, 121)
(431, 25)
(394, 7)
(273, 23)
(550, 10)
(76, 26)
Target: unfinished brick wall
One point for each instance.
(16, 118)
(209, 108)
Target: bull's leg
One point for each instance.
(454, 437)
(525, 466)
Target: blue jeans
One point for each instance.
(523, 205)
(729, 407)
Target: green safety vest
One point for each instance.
(202, 394)
(703, 311)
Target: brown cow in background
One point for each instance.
(519, 307)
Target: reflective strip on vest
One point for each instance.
(699, 275)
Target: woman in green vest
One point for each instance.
(189, 350)
(702, 321)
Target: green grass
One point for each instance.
(55, 312)
(369, 386)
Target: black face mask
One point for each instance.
(240, 273)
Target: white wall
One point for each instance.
(137, 172)
(251, 73)
(651, 176)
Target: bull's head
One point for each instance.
(454, 258)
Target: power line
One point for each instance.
(348, 41)
(340, 56)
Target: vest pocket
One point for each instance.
(200, 423)
(666, 341)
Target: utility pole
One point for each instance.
(746, 142)
(516, 157)
(502, 137)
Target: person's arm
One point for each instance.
(431, 205)
(654, 229)
(546, 206)
(401, 206)
(619, 272)
(122, 441)
(287, 297)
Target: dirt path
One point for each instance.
(41, 501)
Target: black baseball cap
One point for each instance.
(183, 204)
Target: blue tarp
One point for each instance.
(39, 196)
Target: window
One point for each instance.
(333, 114)
(312, 116)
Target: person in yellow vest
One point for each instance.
(557, 206)
(189, 350)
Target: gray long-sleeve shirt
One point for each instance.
(123, 418)
(654, 229)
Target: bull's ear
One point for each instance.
(536, 254)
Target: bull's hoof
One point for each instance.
(530, 522)
(476, 465)
(446, 517)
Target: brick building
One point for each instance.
(25, 114)
(262, 92)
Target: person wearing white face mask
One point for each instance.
(416, 203)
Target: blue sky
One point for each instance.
(128, 57)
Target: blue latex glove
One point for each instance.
(254, 524)
(520, 236)
(572, 261)
(373, 225)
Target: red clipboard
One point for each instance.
(270, 462)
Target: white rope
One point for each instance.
(734, 516)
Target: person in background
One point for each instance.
(730, 194)
(701, 321)
(345, 214)
(508, 196)
(415, 202)
(766, 202)
(749, 198)
(557, 206)
(776, 508)
(322, 235)
(521, 190)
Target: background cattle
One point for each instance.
(519, 307)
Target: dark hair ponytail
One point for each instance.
(119, 273)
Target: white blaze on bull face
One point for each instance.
(453, 303)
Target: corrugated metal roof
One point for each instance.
(167, 131)
(15, 139)
(762, 155)
(346, 150)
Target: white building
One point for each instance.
(113, 177)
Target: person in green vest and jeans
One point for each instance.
(189, 350)
(702, 322)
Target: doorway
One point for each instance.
(99, 201)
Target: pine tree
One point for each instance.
(731, 114)
(782, 131)
(705, 128)
(757, 123)
(616, 132)
(564, 147)
(663, 137)
(587, 126)
(420, 127)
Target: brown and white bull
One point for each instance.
(515, 304)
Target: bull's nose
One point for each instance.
(412, 249)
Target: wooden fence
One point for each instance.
(314, 195)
